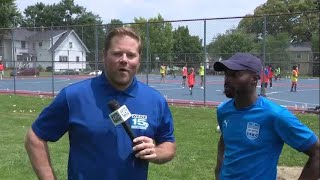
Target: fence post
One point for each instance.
(262, 89)
(97, 45)
(204, 59)
(147, 53)
(52, 62)
(13, 57)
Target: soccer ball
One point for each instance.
(218, 128)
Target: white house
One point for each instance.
(60, 49)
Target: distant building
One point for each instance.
(38, 48)
(301, 54)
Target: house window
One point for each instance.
(19, 58)
(40, 44)
(298, 55)
(63, 58)
(77, 58)
(70, 44)
(23, 44)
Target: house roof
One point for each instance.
(300, 47)
(46, 35)
(63, 37)
(19, 34)
(27, 35)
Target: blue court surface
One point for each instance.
(307, 95)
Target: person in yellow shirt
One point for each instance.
(294, 78)
(201, 72)
(162, 73)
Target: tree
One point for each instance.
(186, 47)
(225, 45)
(65, 15)
(60, 14)
(300, 26)
(160, 38)
(9, 14)
(87, 25)
(276, 52)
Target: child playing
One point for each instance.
(191, 79)
(294, 78)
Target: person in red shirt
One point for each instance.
(264, 78)
(191, 79)
(1, 70)
(270, 75)
(184, 75)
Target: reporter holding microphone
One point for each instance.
(99, 148)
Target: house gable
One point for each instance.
(69, 40)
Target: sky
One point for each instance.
(127, 10)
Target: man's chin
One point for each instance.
(228, 94)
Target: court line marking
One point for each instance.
(38, 82)
(288, 101)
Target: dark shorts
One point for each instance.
(183, 77)
(265, 85)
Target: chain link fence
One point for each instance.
(76, 52)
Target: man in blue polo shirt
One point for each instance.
(98, 149)
(254, 129)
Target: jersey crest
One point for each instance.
(252, 130)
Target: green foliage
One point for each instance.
(66, 13)
(40, 68)
(300, 25)
(185, 43)
(276, 49)
(194, 131)
(49, 69)
(225, 45)
(9, 14)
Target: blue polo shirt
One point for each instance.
(98, 149)
(254, 138)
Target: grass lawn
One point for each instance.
(194, 130)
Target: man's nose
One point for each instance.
(124, 58)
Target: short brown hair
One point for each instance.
(122, 31)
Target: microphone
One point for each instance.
(120, 115)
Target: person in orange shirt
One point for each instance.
(294, 78)
(184, 75)
(270, 75)
(1, 70)
(264, 78)
(191, 79)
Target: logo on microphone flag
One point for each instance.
(120, 115)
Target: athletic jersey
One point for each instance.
(201, 70)
(162, 69)
(264, 77)
(98, 149)
(270, 72)
(1, 67)
(254, 137)
(277, 71)
(191, 79)
(184, 71)
(294, 76)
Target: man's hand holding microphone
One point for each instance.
(143, 146)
